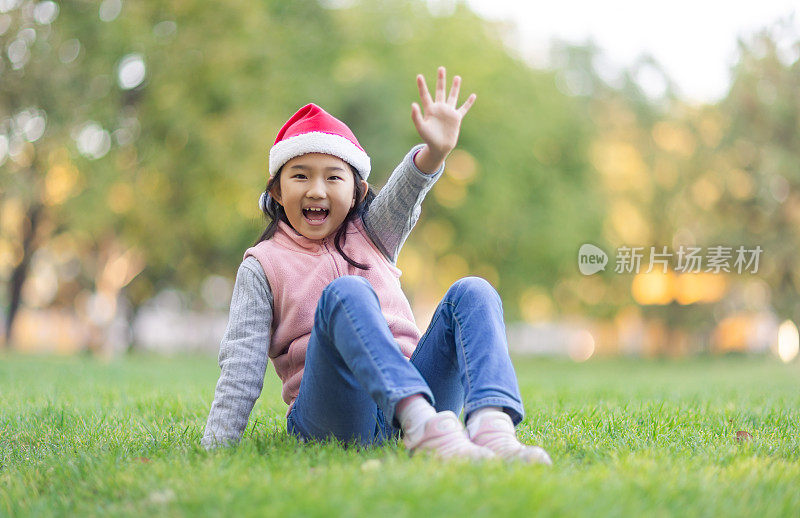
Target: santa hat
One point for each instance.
(313, 130)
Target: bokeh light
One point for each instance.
(581, 346)
(3, 149)
(93, 141)
(69, 50)
(110, 9)
(653, 288)
(131, 71)
(45, 12)
(788, 341)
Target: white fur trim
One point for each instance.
(318, 142)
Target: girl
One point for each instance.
(319, 294)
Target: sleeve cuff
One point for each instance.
(413, 153)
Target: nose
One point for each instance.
(317, 188)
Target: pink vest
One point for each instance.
(298, 269)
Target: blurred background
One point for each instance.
(134, 139)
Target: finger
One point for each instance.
(416, 115)
(453, 97)
(424, 95)
(467, 104)
(440, 82)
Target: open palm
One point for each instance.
(438, 122)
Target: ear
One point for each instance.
(275, 192)
(365, 188)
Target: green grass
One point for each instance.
(81, 436)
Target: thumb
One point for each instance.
(416, 115)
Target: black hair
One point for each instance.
(276, 213)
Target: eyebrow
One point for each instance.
(307, 168)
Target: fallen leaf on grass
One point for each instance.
(143, 459)
(742, 436)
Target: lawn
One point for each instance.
(80, 436)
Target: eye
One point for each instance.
(332, 177)
(298, 174)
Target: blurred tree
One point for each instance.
(137, 137)
(55, 95)
(679, 174)
(759, 154)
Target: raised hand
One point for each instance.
(438, 122)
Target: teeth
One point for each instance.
(316, 209)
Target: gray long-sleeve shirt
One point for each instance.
(243, 350)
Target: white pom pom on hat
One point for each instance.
(313, 130)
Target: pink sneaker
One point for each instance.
(443, 436)
(495, 431)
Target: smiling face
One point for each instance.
(316, 191)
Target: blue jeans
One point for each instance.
(355, 373)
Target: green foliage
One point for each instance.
(187, 160)
(762, 144)
(700, 175)
(220, 82)
(628, 437)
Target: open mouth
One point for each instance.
(315, 216)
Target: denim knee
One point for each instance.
(476, 288)
(345, 288)
(349, 286)
(339, 292)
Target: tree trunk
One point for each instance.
(133, 312)
(20, 272)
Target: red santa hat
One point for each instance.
(313, 130)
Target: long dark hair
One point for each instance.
(275, 212)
